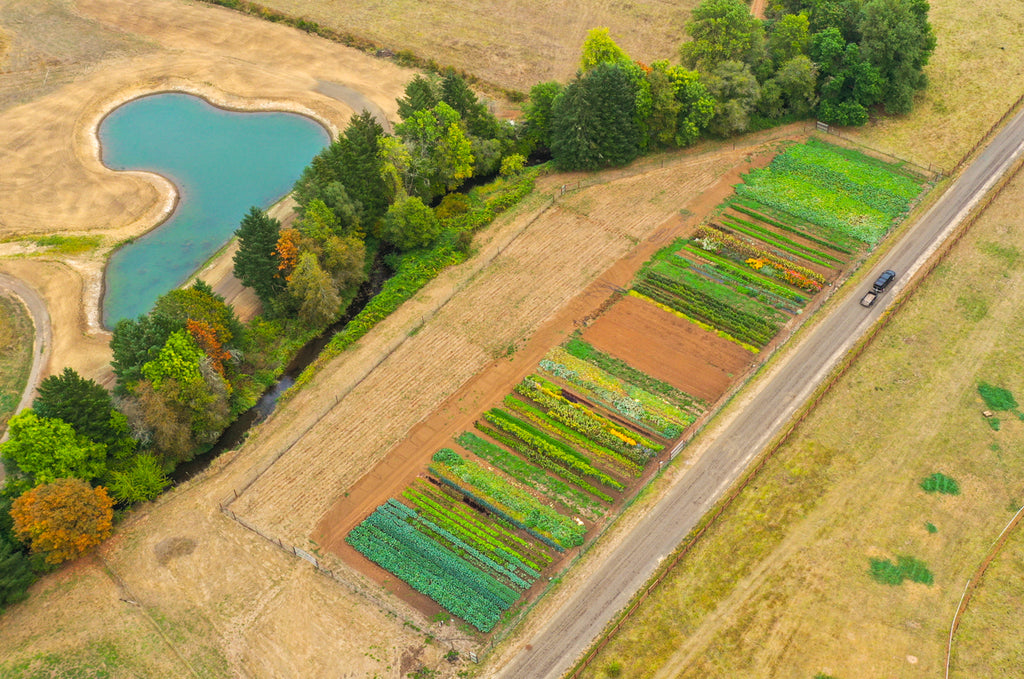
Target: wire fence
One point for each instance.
(834, 377)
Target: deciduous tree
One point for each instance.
(440, 154)
(897, 40)
(63, 519)
(44, 449)
(314, 292)
(410, 224)
(722, 30)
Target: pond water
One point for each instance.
(222, 163)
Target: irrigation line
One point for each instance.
(975, 581)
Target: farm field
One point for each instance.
(15, 354)
(784, 584)
(181, 588)
(514, 45)
(550, 453)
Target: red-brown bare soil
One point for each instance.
(670, 348)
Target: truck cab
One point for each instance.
(884, 281)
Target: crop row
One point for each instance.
(713, 240)
(718, 289)
(620, 369)
(583, 420)
(624, 465)
(759, 282)
(740, 324)
(572, 499)
(530, 453)
(636, 405)
(757, 211)
(681, 269)
(428, 567)
(507, 499)
(510, 574)
(549, 447)
(486, 534)
(781, 242)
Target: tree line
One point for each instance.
(837, 60)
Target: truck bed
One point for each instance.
(869, 298)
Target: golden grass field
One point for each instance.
(780, 586)
(514, 44)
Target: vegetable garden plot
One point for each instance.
(470, 573)
(841, 190)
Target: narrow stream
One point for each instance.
(236, 432)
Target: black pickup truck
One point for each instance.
(883, 282)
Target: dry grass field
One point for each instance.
(514, 44)
(781, 585)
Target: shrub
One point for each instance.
(940, 483)
(997, 398)
(906, 567)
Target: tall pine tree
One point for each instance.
(256, 265)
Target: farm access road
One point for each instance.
(42, 340)
(628, 566)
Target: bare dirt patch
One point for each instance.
(670, 348)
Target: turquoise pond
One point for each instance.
(222, 163)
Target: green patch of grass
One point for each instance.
(940, 483)
(994, 423)
(930, 527)
(70, 245)
(996, 398)
(905, 568)
(973, 306)
(1007, 255)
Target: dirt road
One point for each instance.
(556, 646)
(41, 345)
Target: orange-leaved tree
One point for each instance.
(64, 519)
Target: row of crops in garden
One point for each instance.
(790, 228)
(541, 468)
(498, 506)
